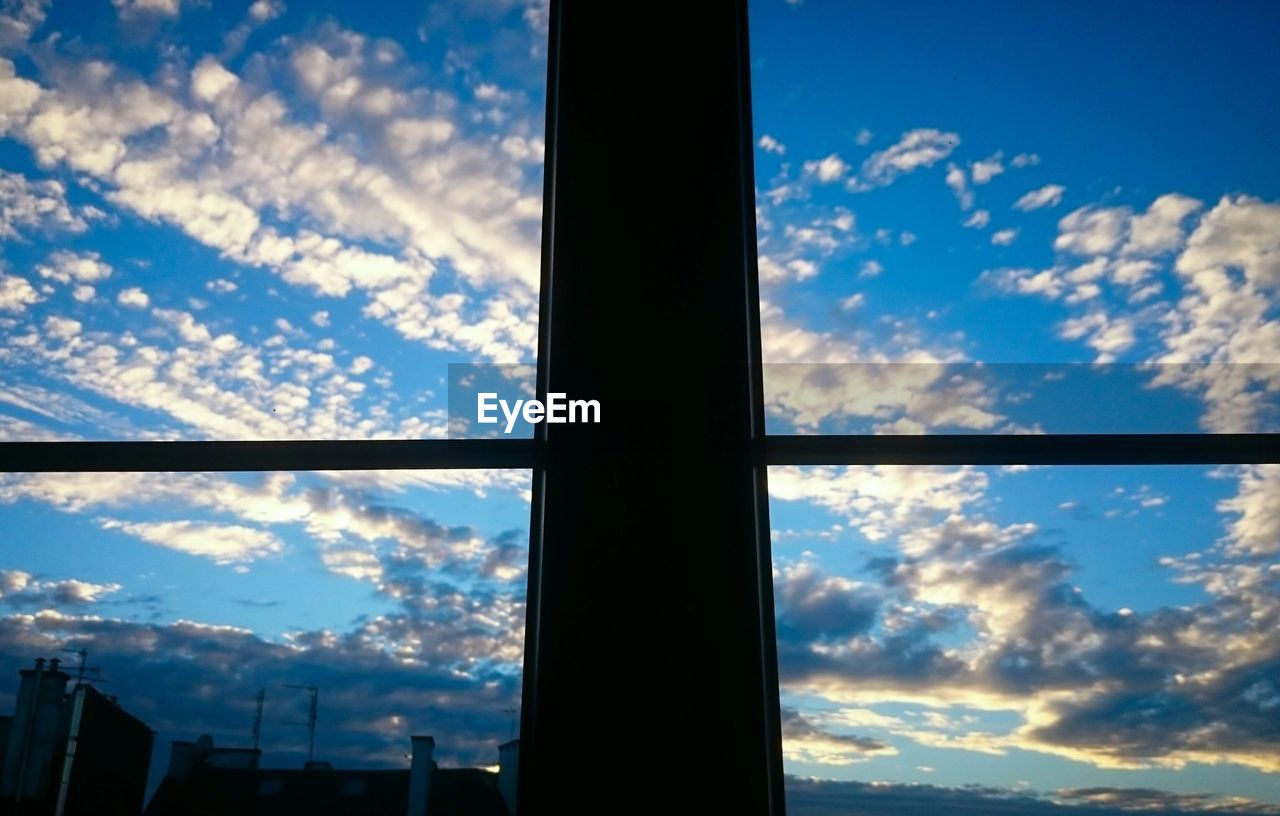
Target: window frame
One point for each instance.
(537, 453)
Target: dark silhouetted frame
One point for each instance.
(650, 649)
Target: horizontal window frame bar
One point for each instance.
(268, 455)
(526, 454)
(1024, 449)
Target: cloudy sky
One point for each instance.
(271, 220)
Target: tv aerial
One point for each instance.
(83, 670)
(312, 711)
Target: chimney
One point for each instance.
(509, 772)
(182, 759)
(420, 770)
(37, 729)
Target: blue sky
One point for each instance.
(1021, 218)
(279, 220)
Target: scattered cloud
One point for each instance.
(959, 185)
(1049, 195)
(984, 171)
(223, 159)
(221, 543)
(68, 267)
(803, 740)
(769, 144)
(821, 797)
(23, 590)
(138, 8)
(16, 293)
(38, 206)
(1115, 689)
(918, 148)
(827, 170)
(19, 19)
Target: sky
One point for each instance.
(274, 220)
(1023, 218)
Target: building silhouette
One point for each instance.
(204, 780)
(69, 753)
(78, 752)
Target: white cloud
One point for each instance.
(1159, 229)
(987, 169)
(19, 588)
(19, 19)
(823, 376)
(1025, 281)
(16, 294)
(217, 167)
(212, 383)
(62, 328)
(863, 137)
(802, 269)
(221, 543)
(1240, 232)
(17, 96)
(158, 8)
(1224, 324)
(1218, 338)
(352, 562)
(959, 185)
(65, 267)
(410, 137)
(1255, 530)
(209, 80)
(1025, 160)
(829, 169)
(978, 220)
(1049, 195)
(918, 148)
(1089, 231)
(134, 298)
(28, 206)
(1106, 334)
(264, 10)
(1004, 237)
(883, 500)
(870, 269)
(769, 144)
(822, 235)
(771, 272)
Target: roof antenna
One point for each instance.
(82, 669)
(257, 718)
(311, 718)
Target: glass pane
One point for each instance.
(980, 640)
(261, 220)
(400, 596)
(1018, 183)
